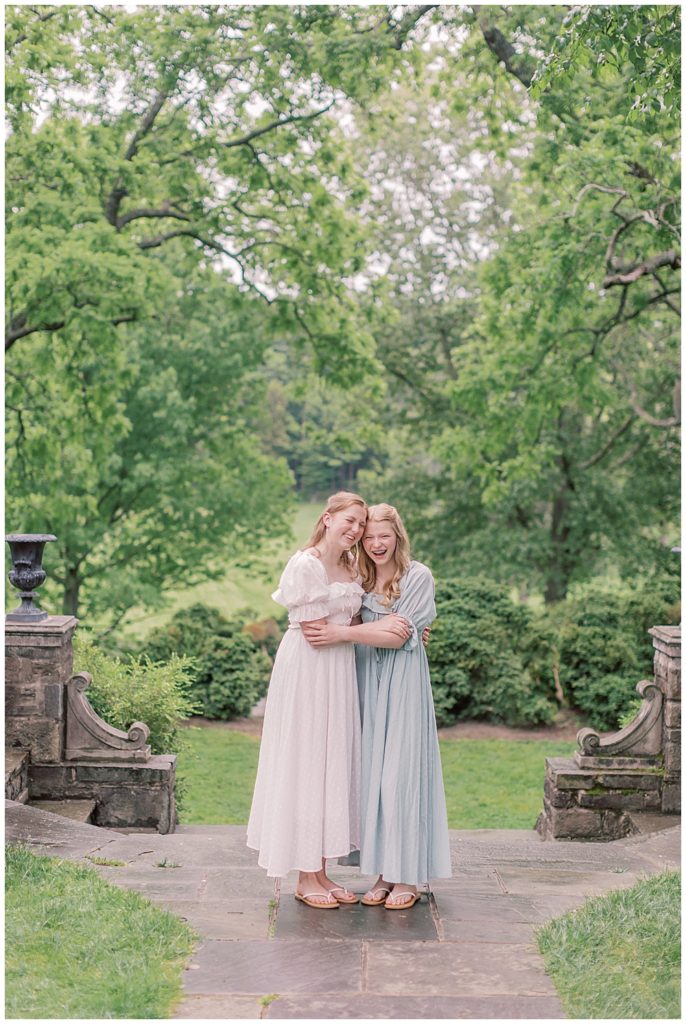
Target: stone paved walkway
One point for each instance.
(465, 951)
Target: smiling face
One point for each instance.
(380, 541)
(345, 527)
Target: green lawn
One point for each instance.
(78, 947)
(488, 783)
(618, 956)
(496, 783)
(217, 774)
(239, 588)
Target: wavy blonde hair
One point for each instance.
(401, 555)
(338, 502)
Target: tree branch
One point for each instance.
(145, 212)
(115, 622)
(502, 49)
(617, 318)
(670, 421)
(245, 139)
(402, 29)
(630, 453)
(41, 18)
(119, 191)
(654, 421)
(153, 243)
(609, 444)
(20, 329)
(209, 243)
(412, 385)
(592, 186)
(614, 238)
(669, 258)
(146, 124)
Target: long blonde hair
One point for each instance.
(401, 555)
(337, 503)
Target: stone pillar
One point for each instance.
(667, 644)
(38, 665)
(614, 775)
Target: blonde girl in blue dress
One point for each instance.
(404, 827)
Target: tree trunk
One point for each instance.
(557, 576)
(70, 599)
(562, 561)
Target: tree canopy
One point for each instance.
(430, 252)
(544, 448)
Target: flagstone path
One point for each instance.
(466, 950)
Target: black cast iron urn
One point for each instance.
(27, 573)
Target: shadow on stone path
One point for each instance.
(467, 950)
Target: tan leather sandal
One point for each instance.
(414, 897)
(374, 901)
(324, 902)
(347, 897)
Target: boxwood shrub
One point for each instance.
(139, 690)
(230, 669)
(479, 654)
(602, 644)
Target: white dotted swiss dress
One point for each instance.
(306, 803)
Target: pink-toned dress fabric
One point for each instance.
(306, 803)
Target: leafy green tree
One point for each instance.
(558, 451)
(148, 474)
(488, 212)
(575, 379)
(167, 167)
(209, 125)
(327, 433)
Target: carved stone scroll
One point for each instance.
(90, 738)
(640, 740)
(617, 781)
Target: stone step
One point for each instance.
(75, 810)
(17, 774)
(52, 835)
(647, 822)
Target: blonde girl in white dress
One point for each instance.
(306, 803)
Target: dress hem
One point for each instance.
(282, 874)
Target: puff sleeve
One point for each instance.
(416, 602)
(303, 589)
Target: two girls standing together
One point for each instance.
(349, 759)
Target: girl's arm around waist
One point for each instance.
(391, 631)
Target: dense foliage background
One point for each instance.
(256, 254)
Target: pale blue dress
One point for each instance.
(404, 823)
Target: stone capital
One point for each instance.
(667, 639)
(54, 631)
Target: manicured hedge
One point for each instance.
(494, 659)
(230, 670)
(602, 644)
(480, 651)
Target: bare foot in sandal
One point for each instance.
(375, 896)
(310, 890)
(401, 897)
(340, 893)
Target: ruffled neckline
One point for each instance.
(337, 586)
